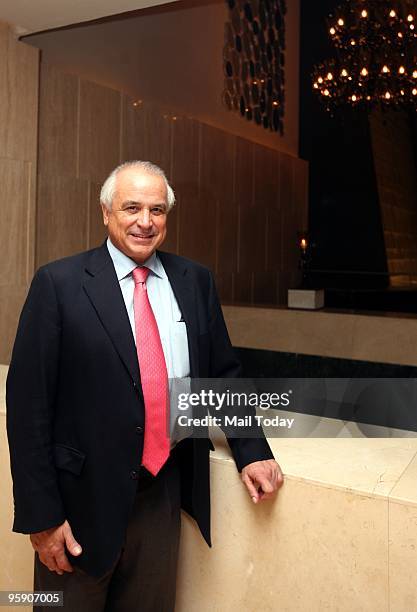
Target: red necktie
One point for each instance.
(154, 377)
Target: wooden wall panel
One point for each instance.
(288, 219)
(133, 144)
(196, 208)
(97, 231)
(99, 131)
(19, 74)
(61, 217)
(184, 176)
(217, 189)
(252, 215)
(243, 283)
(265, 288)
(15, 181)
(12, 298)
(185, 172)
(58, 122)
(158, 139)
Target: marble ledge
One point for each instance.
(374, 467)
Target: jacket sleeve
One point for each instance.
(224, 364)
(30, 395)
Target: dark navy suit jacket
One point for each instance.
(75, 413)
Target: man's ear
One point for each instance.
(105, 212)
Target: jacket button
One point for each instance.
(134, 475)
(139, 430)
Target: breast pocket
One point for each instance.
(179, 350)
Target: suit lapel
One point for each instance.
(103, 290)
(184, 292)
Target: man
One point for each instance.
(95, 481)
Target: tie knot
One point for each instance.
(140, 274)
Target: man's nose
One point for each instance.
(144, 218)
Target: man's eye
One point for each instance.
(131, 209)
(157, 210)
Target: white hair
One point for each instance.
(108, 190)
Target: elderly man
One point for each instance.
(97, 483)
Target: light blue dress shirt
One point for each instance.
(171, 326)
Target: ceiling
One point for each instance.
(35, 16)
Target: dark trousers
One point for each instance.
(143, 579)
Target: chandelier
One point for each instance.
(376, 56)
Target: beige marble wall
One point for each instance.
(378, 338)
(341, 536)
(19, 65)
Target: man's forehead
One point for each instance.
(131, 178)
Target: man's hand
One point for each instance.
(50, 546)
(262, 479)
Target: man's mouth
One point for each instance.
(142, 236)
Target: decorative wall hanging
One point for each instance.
(254, 61)
(376, 56)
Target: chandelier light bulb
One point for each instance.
(414, 74)
(414, 92)
(320, 79)
(364, 72)
(354, 98)
(329, 76)
(353, 42)
(392, 13)
(401, 70)
(316, 85)
(410, 18)
(385, 69)
(344, 72)
(387, 95)
(364, 13)
(402, 92)
(400, 34)
(332, 31)
(341, 22)
(411, 26)
(326, 92)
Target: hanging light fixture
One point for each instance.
(376, 56)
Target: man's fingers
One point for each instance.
(262, 479)
(253, 491)
(63, 563)
(266, 485)
(49, 562)
(70, 542)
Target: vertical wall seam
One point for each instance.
(78, 130)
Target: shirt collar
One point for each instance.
(125, 266)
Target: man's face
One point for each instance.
(137, 220)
